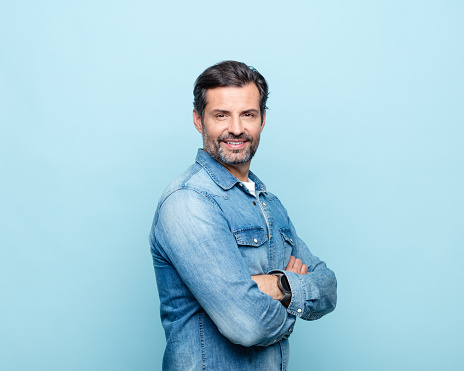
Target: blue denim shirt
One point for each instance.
(209, 235)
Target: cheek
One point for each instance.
(256, 133)
(214, 134)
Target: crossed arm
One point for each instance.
(267, 283)
(188, 231)
(189, 228)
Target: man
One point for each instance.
(232, 273)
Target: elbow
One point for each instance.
(332, 294)
(328, 299)
(247, 342)
(249, 331)
(325, 299)
(330, 303)
(258, 320)
(247, 336)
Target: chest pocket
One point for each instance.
(249, 241)
(250, 236)
(288, 237)
(288, 241)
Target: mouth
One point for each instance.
(235, 144)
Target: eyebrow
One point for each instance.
(251, 110)
(214, 111)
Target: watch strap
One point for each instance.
(284, 286)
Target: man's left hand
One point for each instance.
(296, 266)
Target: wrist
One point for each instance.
(284, 287)
(278, 294)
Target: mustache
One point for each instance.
(242, 136)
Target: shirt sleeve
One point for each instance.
(315, 293)
(196, 238)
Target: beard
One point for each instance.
(231, 157)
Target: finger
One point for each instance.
(297, 266)
(290, 263)
(304, 269)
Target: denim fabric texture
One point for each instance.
(209, 235)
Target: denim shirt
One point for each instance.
(209, 235)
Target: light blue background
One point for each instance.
(363, 145)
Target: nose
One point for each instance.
(236, 126)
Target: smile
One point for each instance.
(234, 144)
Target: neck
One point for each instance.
(239, 171)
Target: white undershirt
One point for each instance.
(251, 186)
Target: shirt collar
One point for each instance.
(221, 176)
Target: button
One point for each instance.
(264, 204)
(291, 240)
(255, 240)
(254, 202)
(299, 310)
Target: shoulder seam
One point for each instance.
(185, 188)
(180, 187)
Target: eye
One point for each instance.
(249, 115)
(220, 116)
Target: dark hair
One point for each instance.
(228, 73)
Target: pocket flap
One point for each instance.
(250, 236)
(288, 236)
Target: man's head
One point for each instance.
(230, 111)
(224, 74)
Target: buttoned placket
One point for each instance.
(267, 217)
(268, 220)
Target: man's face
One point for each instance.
(231, 124)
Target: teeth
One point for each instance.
(234, 143)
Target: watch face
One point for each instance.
(285, 283)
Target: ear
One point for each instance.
(197, 121)
(264, 121)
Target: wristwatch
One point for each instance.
(284, 286)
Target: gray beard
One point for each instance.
(218, 153)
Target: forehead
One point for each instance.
(233, 98)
